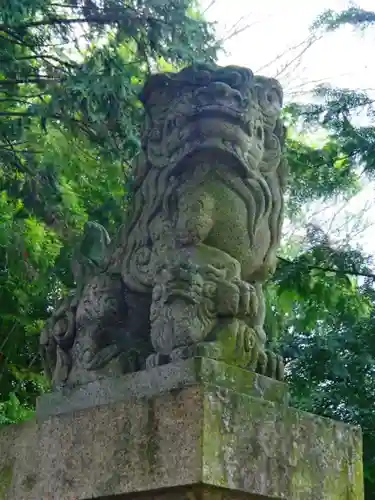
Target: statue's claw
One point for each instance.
(248, 300)
(271, 365)
(156, 359)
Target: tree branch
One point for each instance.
(17, 162)
(17, 81)
(17, 113)
(15, 100)
(96, 19)
(39, 56)
(328, 269)
(33, 151)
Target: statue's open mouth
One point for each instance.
(220, 113)
(230, 129)
(217, 128)
(216, 123)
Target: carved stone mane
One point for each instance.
(204, 226)
(186, 114)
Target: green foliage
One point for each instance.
(69, 78)
(329, 344)
(321, 318)
(350, 146)
(322, 303)
(354, 16)
(13, 411)
(318, 173)
(307, 290)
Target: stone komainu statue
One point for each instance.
(185, 276)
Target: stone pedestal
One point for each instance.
(195, 429)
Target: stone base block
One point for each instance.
(162, 379)
(206, 440)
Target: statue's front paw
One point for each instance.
(179, 323)
(237, 343)
(95, 360)
(236, 298)
(248, 299)
(156, 359)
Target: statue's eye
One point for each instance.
(155, 134)
(171, 126)
(274, 99)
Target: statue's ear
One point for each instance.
(139, 168)
(280, 131)
(283, 168)
(154, 84)
(283, 172)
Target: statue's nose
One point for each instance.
(220, 89)
(217, 91)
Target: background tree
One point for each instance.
(69, 120)
(322, 296)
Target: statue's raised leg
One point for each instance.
(112, 330)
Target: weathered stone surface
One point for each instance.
(200, 434)
(58, 335)
(161, 379)
(282, 452)
(200, 239)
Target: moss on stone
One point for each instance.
(221, 374)
(212, 448)
(265, 448)
(29, 482)
(152, 445)
(216, 428)
(110, 485)
(6, 478)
